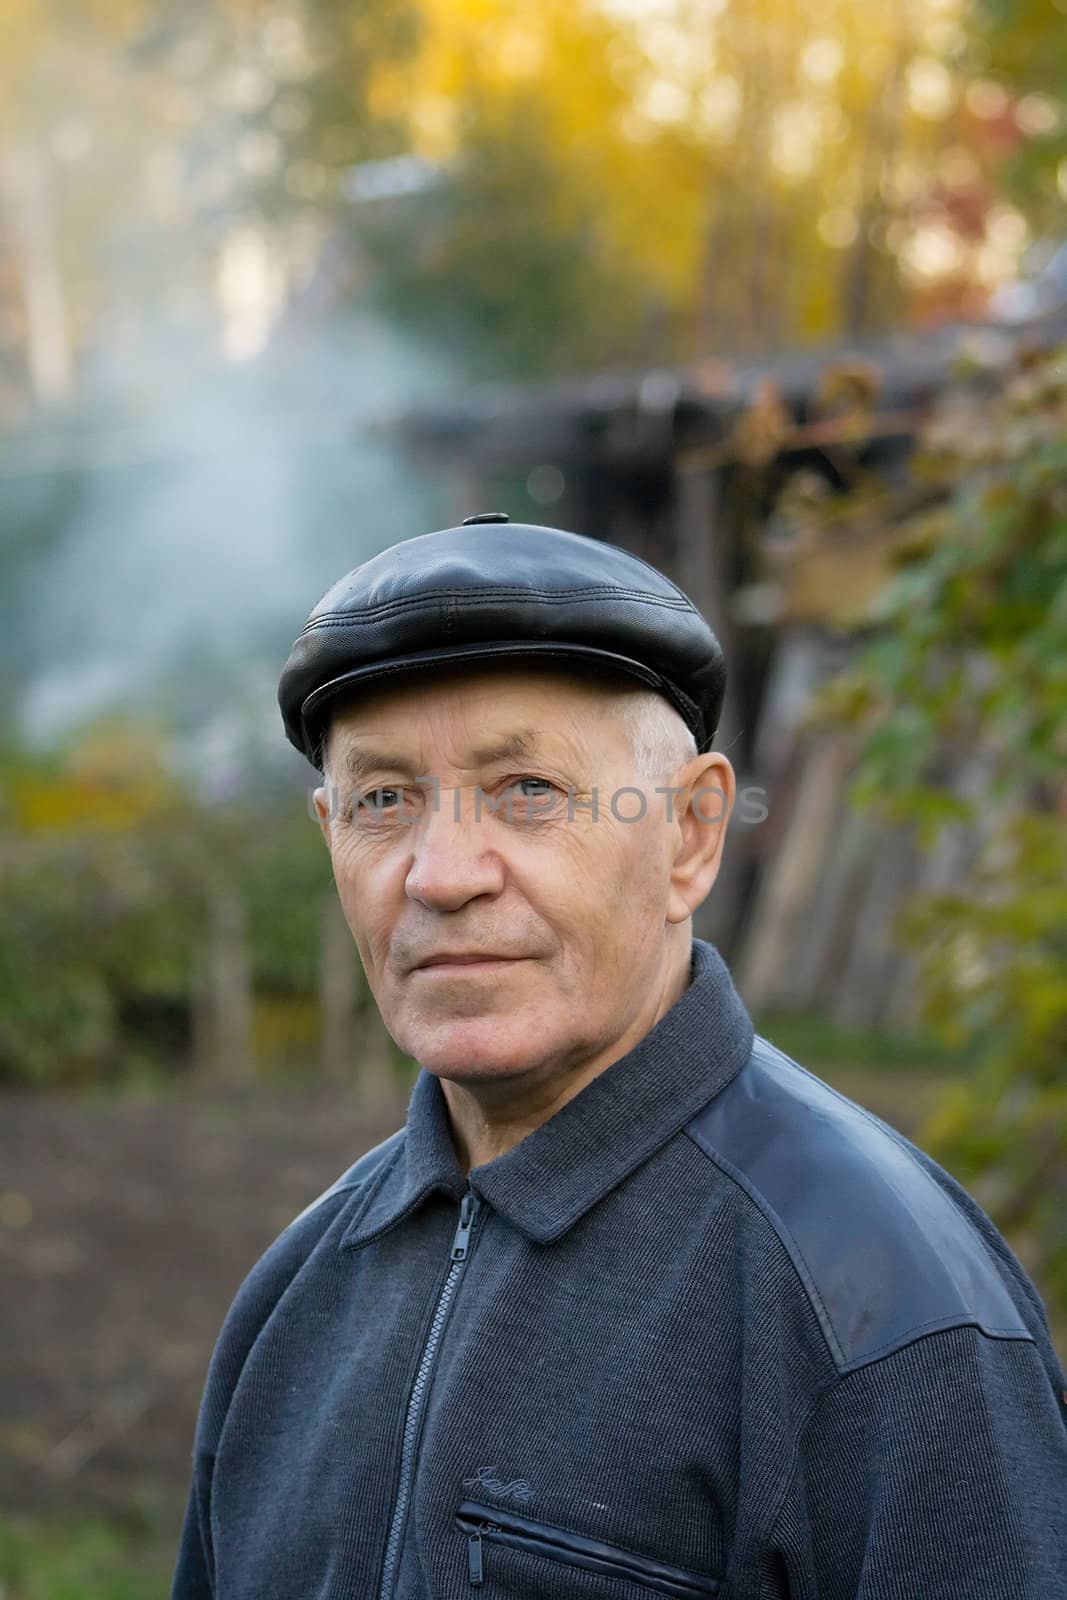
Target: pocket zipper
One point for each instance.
(488, 1524)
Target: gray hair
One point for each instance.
(659, 740)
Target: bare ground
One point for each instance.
(125, 1229)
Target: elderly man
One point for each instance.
(633, 1305)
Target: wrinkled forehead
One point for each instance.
(502, 710)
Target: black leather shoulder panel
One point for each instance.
(884, 1252)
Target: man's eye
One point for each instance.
(378, 800)
(530, 796)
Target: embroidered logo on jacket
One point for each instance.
(488, 1478)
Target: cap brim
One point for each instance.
(311, 712)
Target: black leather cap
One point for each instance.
(502, 591)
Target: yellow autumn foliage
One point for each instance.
(747, 159)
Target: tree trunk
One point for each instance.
(222, 995)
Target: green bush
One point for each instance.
(110, 869)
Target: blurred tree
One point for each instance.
(708, 176)
(1021, 45)
(543, 237)
(506, 267)
(601, 181)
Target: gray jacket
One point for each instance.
(711, 1330)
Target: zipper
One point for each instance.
(486, 1525)
(461, 1247)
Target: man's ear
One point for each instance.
(324, 796)
(704, 798)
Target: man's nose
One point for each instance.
(451, 861)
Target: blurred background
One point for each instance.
(774, 296)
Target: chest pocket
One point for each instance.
(505, 1552)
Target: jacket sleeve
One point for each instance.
(259, 1294)
(938, 1470)
(194, 1574)
(255, 1301)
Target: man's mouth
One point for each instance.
(446, 961)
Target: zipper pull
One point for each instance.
(474, 1559)
(467, 1209)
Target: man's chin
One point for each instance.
(470, 1051)
(469, 1068)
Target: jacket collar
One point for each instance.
(560, 1170)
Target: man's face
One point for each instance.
(572, 912)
